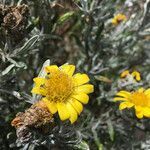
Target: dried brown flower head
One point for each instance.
(36, 118)
(13, 20)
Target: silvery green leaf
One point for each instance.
(17, 95)
(7, 70)
(110, 130)
(84, 4)
(65, 17)
(19, 2)
(42, 74)
(28, 45)
(2, 101)
(26, 146)
(31, 147)
(28, 98)
(17, 64)
(82, 146)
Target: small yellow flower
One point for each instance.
(118, 18)
(134, 74)
(63, 92)
(124, 73)
(140, 99)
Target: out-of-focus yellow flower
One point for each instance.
(124, 73)
(134, 74)
(118, 18)
(63, 92)
(140, 99)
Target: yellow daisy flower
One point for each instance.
(62, 91)
(134, 74)
(118, 18)
(140, 99)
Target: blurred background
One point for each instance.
(79, 32)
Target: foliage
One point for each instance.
(78, 32)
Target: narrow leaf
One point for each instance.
(110, 130)
(28, 45)
(7, 70)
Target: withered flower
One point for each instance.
(37, 117)
(13, 20)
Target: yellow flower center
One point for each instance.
(58, 86)
(140, 99)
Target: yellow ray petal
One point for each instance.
(139, 115)
(51, 106)
(136, 75)
(68, 69)
(73, 113)
(38, 90)
(80, 79)
(139, 112)
(129, 105)
(77, 105)
(146, 111)
(114, 21)
(39, 81)
(123, 94)
(51, 68)
(141, 90)
(62, 111)
(124, 73)
(147, 92)
(87, 88)
(120, 99)
(124, 105)
(82, 97)
(138, 108)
